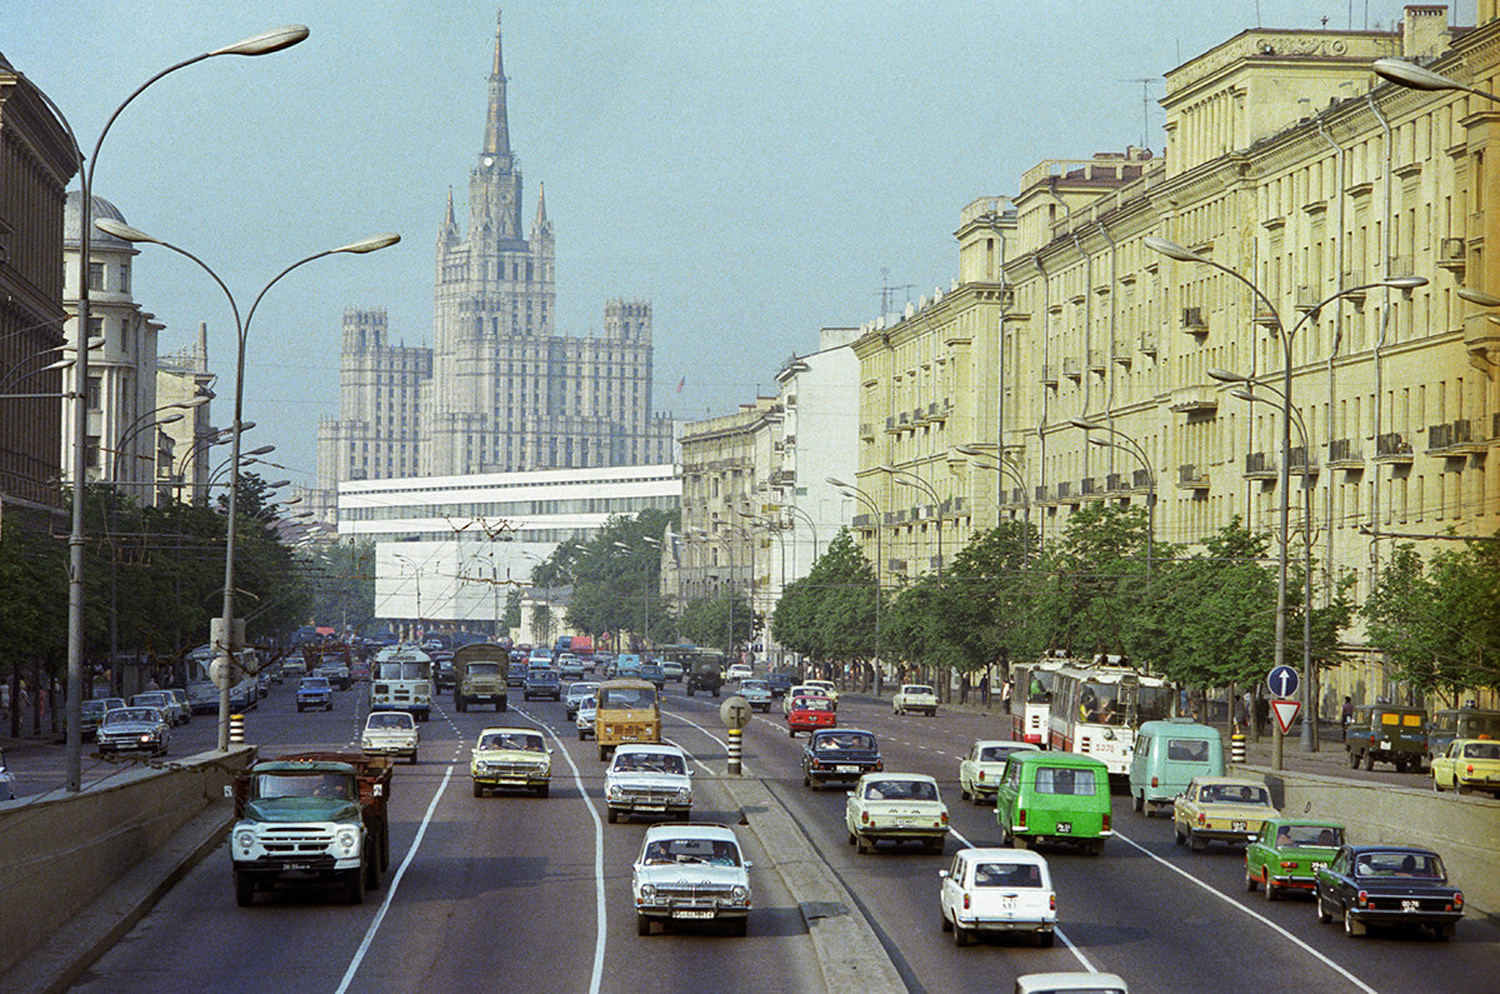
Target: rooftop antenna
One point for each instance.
(887, 288)
(1145, 82)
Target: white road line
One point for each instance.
(722, 744)
(390, 892)
(1253, 914)
(1055, 929)
(601, 918)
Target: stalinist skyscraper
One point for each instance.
(500, 390)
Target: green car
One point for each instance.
(1054, 797)
(1287, 853)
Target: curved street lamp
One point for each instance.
(1130, 445)
(1415, 77)
(242, 330)
(850, 490)
(264, 43)
(1177, 252)
(906, 478)
(1003, 471)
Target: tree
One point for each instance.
(712, 620)
(829, 615)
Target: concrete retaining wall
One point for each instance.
(1465, 830)
(61, 851)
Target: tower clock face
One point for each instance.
(487, 161)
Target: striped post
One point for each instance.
(735, 735)
(236, 729)
(1237, 748)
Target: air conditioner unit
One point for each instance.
(1192, 317)
(1451, 250)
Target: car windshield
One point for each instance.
(314, 683)
(812, 704)
(273, 785)
(120, 715)
(152, 700)
(715, 852)
(523, 741)
(1234, 793)
(900, 790)
(390, 719)
(1007, 875)
(542, 676)
(648, 762)
(484, 669)
(1482, 750)
(1065, 780)
(845, 740)
(1421, 866)
(627, 697)
(1321, 836)
(407, 670)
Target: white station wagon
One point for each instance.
(997, 890)
(979, 772)
(915, 697)
(896, 806)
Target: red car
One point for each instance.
(807, 713)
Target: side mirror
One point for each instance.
(689, 772)
(943, 874)
(749, 865)
(848, 793)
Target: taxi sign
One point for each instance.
(1286, 713)
(1283, 681)
(735, 711)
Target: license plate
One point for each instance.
(846, 769)
(1065, 826)
(692, 913)
(1411, 906)
(1385, 745)
(1319, 866)
(296, 866)
(1007, 904)
(650, 807)
(1238, 826)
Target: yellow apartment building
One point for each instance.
(1291, 163)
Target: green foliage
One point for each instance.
(829, 615)
(710, 620)
(341, 584)
(615, 576)
(1098, 574)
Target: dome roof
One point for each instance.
(97, 239)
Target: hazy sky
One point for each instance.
(752, 168)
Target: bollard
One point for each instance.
(1237, 748)
(236, 729)
(734, 751)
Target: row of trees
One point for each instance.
(1202, 619)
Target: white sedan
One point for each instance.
(896, 806)
(692, 873)
(645, 778)
(739, 671)
(997, 890)
(390, 733)
(979, 772)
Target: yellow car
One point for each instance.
(1468, 765)
(1221, 809)
(513, 758)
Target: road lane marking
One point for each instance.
(1056, 930)
(601, 918)
(1253, 914)
(722, 744)
(390, 892)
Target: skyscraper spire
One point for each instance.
(541, 223)
(497, 127)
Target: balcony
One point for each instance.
(890, 425)
(1049, 375)
(1193, 321)
(1120, 353)
(867, 432)
(1140, 479)
(896, 565)
(863, 521)
(1148, 342)
(1299, 462)
(1191, 400)
(1072, 368)
(1344, 454)
(1260, 466)
(1393, 447)
(1097, 363)
(1453, 256)
(1088, 487)
(1064, 490)
(1115, 481)
(1040, 494)
(1018, 495)
(1189, 477)
(1456, 438)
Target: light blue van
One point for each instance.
(1168, 754)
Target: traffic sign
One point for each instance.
(1283, 681)
(735, 711)
(1286, 713)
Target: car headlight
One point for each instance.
(367, 742)
(348, 840)
(648, 892)
(245, 840)
(684, 794)
(740, 892)
(614, 792)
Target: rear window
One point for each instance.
(1188, 750)
(1007, 875)
(1421, 866)
(1065, 780)
(1482, 750)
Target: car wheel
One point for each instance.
(581, 736)
(1138, 801)
(806, 780)
(642, 925)
(299, 709)
(414, 757)
(963, 792)
(960, 935)
(1045, 939)
(1273, 891)
(1353, 760)
(1369, 760)
(603, 752)
(1323, 916)
(1442, 933)
(791, 733)
(1437, 788)
(1096, 847)
(935, 846)
(478, 789)
(1196, 842)
(862, 844)
(1352, 928)
(546, 789)
(502, 706)
(354, 883)
(1461, 789)
(372, 867)
(1251, 883)
(1178, 835)
(611, 815)
(244, 889)
(852, 839)
(1019, 841)
(947, 925)
(739, 927)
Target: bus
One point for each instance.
(1097, 707)
(1031, 697)
(401, 680)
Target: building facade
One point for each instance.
(500, 390)
(186, 444)
(36, 162)
(1290, 163)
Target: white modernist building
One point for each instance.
(450, 549)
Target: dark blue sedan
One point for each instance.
(1388, 885)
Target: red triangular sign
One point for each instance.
(1286, 713)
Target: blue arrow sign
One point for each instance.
(1283, 682)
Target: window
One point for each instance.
(124, 277)
(96, 276)
(96, 387)
(1064, 780)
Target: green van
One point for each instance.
(1387, 733)
(1054, 796)
(1167, 755)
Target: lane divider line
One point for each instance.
(1253, 914)
(390, 892)
(1056, 930)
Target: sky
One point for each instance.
(756, 170)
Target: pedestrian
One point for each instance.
(1262, 716)
(1346, 715)
(984, 689)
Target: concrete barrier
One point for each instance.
(63, 850)
(1464, 830)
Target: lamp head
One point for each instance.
(170, 419)
(1083, 423)
(1409, 74)
(266, 42)
(196, 401)
(278, 484)
(123, 231)
(369, 244)
(261, 450)
(1171, 249)
(1404, 282)
(835, 481)
(1225, 376)
(1478, 297)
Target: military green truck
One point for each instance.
(479, 672)
(311, 816)
(1387, 733)
(705, 673)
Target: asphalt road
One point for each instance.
(509, 893)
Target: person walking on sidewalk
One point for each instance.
(1346, 715)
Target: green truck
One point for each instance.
(312, 816)
(479, 675)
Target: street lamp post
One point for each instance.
(228, 647)
(1002, 471)
(850, 490)
(262, 44)
(1177, 252)
(907, 478)
(1130, 445)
